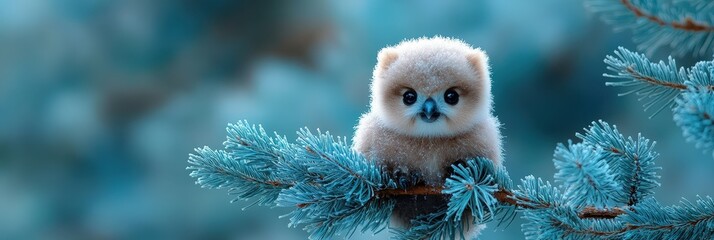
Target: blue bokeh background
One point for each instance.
(101, 101)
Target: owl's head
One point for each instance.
(431, 87)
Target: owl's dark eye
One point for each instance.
(409, 97)
(451, 97)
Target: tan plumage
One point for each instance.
(412, 138)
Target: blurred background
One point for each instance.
(101, 101)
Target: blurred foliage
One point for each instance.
(100, 100)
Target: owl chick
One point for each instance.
(430, 108)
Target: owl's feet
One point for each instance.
(406, 179)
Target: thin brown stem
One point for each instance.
(687, 25)
(651, 80)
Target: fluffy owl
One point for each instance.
(430, 108)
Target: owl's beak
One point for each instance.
(429, 112)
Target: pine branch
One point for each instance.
(434, 226)
(217, 170)
(655, 83)
(649, 220)
(632, 161)
(585, 174)
(701, 77)
(687, 91)
(695, 115)
(334, 190)
(682, 26)
(558, 219)
(564, 223)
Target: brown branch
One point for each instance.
(417, 191)
(503, 196)
(687, 25)
(506, 196)
(592, 212)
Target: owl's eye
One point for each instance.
(409, 97)
(451, 97)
